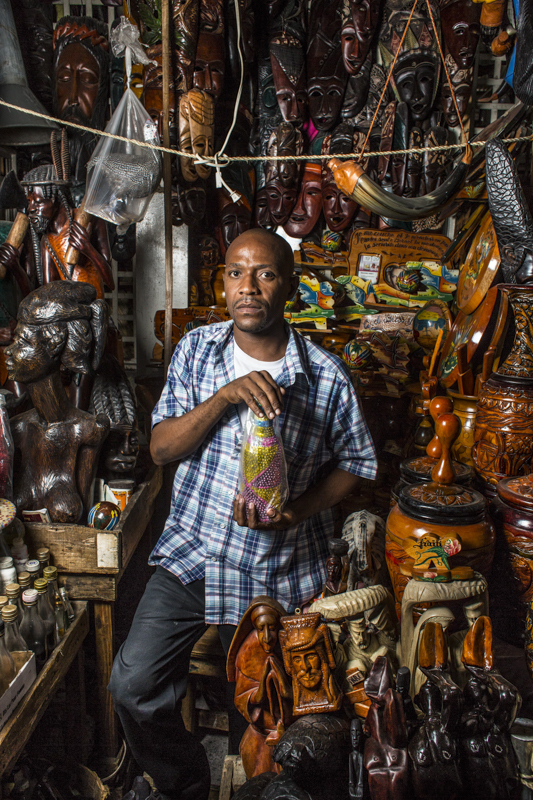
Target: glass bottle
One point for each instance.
(14, 641)
(263, 471)
(7, 665)
(7, 450)
(14, 596)
(24, 580)
(61, 618)
(68, 605)
(46, 612)
(3, 601)
(34, 569)
(32, 627)
(19, 553)
(8, 573)
(43, 557)
(50, 573)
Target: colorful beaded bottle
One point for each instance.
(263, 470)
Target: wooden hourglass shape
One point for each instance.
(447, 428)
(437, 407)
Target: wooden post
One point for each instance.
(167, 178)
(107, 725)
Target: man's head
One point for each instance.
(258, 280)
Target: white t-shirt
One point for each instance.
(244, 364)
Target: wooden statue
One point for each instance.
(326, 76)
(234, 215)
(268, 110)
(263, 690)
(306, 212)
(337, 566)
(491, 705)
(365, 534)
(385, 755)
(308, 658)
(433, 750)
(339, 209)
(55, 230)
(59, 325)
(358, 788)
(196, 132)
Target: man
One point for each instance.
(214, 556)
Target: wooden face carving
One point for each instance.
(280, 201)
(261, 210)
(288, 71)
(306, 212)
(358, 30)
(235, 218)
(462, 95)
(461, 31)
(209, 64)
(325, 99)
(77, 83)
(339, 209)
(415, 76)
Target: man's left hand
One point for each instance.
(247, 516)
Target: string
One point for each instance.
(210, 160)
(389, 76)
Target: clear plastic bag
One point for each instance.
(263, 470)
(122, 176)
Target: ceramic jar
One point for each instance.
(465, 407)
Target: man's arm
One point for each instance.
(175, 438)
(330, 491)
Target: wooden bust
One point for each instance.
(263, 692)
(308, 657)
(59, 325)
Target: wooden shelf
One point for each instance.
(23, 722)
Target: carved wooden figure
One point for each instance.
(308, 658)
(385, 753)
(59, 325)
(326, 75)
(359, 24)
(282, 177)
(196, 132)
(337, 566)
(288, 71)
(263, 692)
(306, 212)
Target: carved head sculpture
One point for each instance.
(326, 76)
(263, 616)
(308, 658)
(282, 176)
(359, 24)
(416, 79)
(234, 217)
(209, 63)
(209, 252)
(288, 71)
(45, 193)
(339, 209)
(462, 87)
(461, 30)
(112, 395)
(81, 70)
(61, 324)
(314, 750)
(511, 217)
(192, 202)
(306, 212)
(262, 217)
(152, 96)
(268, 110)
(196, 132)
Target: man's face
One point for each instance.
(357, 33)
(308, 668)
(267, 631)
(209, 64)
(333, 568)
(41, 210)
(360, 637)
(415, 86)
(257, 285)
(307, 210)
(77, 83)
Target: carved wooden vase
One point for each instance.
(503, 441)
(465, 407)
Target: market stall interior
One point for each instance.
(389, 144)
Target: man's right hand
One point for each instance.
(254, 389)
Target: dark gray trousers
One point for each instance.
(149, 680)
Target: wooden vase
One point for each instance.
(465, 407)
(503, 441)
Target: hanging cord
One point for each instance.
(389, 76)
(452, 90)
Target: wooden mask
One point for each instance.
(209, 64)
(326, 74)
(152, 96)
(339, 209)
(288, 70)
(461, 30)
(306, 212)
(282, 176)
(359, 24)
(196, 132)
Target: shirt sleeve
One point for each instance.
(351, 441)
(175, 399)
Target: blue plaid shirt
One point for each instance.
(321, 425)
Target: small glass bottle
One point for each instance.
(68, 605)
(14, 596)
(7, 665)
(34, 569)
(19, 553)
(14, 641)
(46, 612)
(3, 601)
(24, 580)
(61, 617)
(7, 450)
(8, 573)
(43, 557)
(32, 628)
(50, 573)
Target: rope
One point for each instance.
(211, 160)
(389, 76)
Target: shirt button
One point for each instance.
(214, 559)
(222, 527)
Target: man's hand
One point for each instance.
(248, 517)
(254, 389)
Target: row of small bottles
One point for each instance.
(12, 566)
(35, 614)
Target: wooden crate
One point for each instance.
(233, 777)
(21, 725)
(91, 562)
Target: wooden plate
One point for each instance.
(480, 268)
(469, 329)
(429, 320)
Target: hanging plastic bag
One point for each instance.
(122, 176)
(263, 470)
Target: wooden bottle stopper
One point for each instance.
(437, 407)
(429, 390)
(447, 428)
(433, 650)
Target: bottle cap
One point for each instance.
(43, 553)
(50, 573)
(6, 563)
(24, 579)
(3, 600)
(9, 613)
(33, 565)
(41, 585)
(29, 597)
(17, 542)
(13, 591)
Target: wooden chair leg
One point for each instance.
(188, 707)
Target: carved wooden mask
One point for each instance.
(306, 212)
(359, 24)
(288, 70)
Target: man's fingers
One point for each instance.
(266, 392)
(239, 511)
